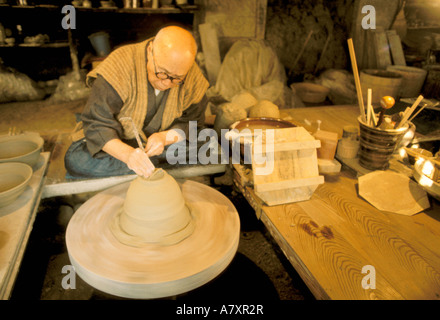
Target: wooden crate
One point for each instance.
(290, 172)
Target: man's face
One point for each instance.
(166, 71)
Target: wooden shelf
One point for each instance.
(43, 45)
(163, 10)
(424, 28)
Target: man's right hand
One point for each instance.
(135, 159)
(139, 162)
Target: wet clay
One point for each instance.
(153, 270)
(154, 211)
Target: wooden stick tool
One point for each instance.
(408, 113)
(356, 79)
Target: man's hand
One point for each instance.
(156, 144)
(135, 159)
(139, 162)
(157, 141)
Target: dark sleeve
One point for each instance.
(99, 116)
(195, 112)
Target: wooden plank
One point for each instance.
(16, 222)
(91, 185)
(410, 269)
(333, 118)
(289, 184)
(260, 25)
(383, 56)
(396, 49)
(211, 51)
(330, 265)
(336, 234)
(286, 146)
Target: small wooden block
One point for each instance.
(293, 160)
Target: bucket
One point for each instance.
(101, 43)
(376, 146)
(412, 82)
(381, 82)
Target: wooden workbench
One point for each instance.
(332, 237)
(16, 222)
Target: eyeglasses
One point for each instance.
(164, 75)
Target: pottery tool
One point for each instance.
(408, 113)
(424, 106)
(136, 132)
(323, 52)
(356, 79)
(386, 103)
(302, 50)
(370, 111)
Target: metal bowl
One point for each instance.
(14, 178)
(24, 148)
(426, 173)
(243, 136)
(261, 123)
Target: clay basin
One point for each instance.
(14, 177)
(310, 92)
(24, 148)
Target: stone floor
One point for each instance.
(259, 269)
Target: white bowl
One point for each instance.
(23, 148)
(14, 178)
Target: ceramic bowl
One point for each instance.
(14, 178)
(23, 148)
(310, 92)
(10, 41)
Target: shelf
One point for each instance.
(43, 45)
(163, 10)
(424, 28)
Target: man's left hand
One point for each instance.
(156, 144)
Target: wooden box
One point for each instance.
(290, 170)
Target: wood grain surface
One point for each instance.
(330, 238)
(153, 271)
(333, 118)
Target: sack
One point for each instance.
(252, 66)
(16, 86)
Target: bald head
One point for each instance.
(175, 44)
(173, 53)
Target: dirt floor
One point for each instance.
(259, 270)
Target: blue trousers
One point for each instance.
(80, 164)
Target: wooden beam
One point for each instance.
(396, 48)
(208, 36)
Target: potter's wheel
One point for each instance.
(153, 271)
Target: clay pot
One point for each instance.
(154, 211)
(14, 177)
(24, 148)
